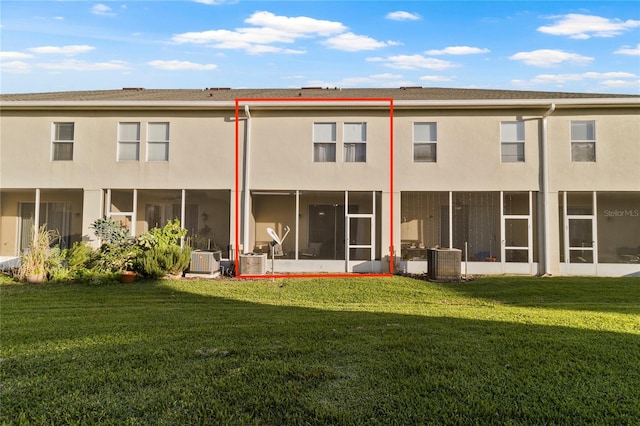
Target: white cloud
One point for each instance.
(611, 79)
(214, 2)
(580, 26)
(62, 50)
(257, 49)
(14, 55)
(102, 10)
(436, 78)
(269, 29)
(412, 62)
(458, 50)
(16, 67)
(76, 65)
(351, 42)
(181, 66)
(631, 51)
(374, 80)
(550, 58)
(295, 25)
(634, 84)
(401, 15)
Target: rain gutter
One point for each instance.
(545, 190)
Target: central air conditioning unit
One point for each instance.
(253, 264)
(205, 262)
(444, 264)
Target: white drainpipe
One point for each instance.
(545, 191)
(247, 167)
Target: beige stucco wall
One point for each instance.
(468, 152)
(201, 151)
(617, 165)
(282, 152)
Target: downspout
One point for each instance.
(245, 181)
(545, 192)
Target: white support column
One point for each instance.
(183, 205)
(36, 214)
(134, 215)
(297, 233)
(565, 230)
(450, 219)
(373, 226)
(503, 238)
(347, 231)
(92, 209)
(595, 230)
(108, 204)
(530, 232)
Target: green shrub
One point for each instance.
(57, 265)
(110, 231)
(160, 261)
(79, 256)
(168, 235)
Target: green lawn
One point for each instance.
(322, 351)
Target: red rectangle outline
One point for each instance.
(237, 186)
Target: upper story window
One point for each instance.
(425, 139)
(355, 142)
(63, 139)
(158, 142)
(512, 141)
(583, 141)
(324, 142)
(128, 141)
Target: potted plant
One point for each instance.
(33, 262)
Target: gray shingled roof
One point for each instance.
(225, 94)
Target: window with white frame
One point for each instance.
(128, 141)
(324, 142)
(425, 139)
(355, 142)
(512, 141)
(63, 139)
(583, 141)
(158, 142)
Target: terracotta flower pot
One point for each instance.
(35, 278)
(127, 277)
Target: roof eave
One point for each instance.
(325, 102)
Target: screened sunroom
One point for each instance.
(330, 231)
(495, 230)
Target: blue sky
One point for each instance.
(576, 46)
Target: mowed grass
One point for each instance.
(498, 350)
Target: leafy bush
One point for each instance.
(79, 256)
(159, 261)
(116, 257)
(110, 231)
(119, 248)
(57, 265)
(161, 252)
(168, 235)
